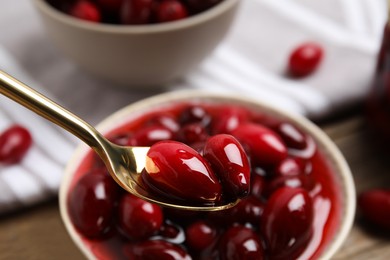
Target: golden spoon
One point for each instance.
(124, 163)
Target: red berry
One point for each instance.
(228, 119)
(286, 223)
(137, 11)
(192, 133)
(375, 207)
(166, 120)
(239, 243)
(86, 10)
(150, 135)
(257, 186)
(14, 144)
(91, 203)
(291, 136)
(171, 10)
(265, 146)
(178, 171)
(305, 59)
(299, 181)
(139, 219)
(250, 210)
(288, 167)
(299, 144)
(155, 249)
(230, 164)
(171, 232)
(194, 114)
(200, 235)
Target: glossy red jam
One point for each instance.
(132, 11)
(292, 210)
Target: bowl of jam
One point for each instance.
(297, 202)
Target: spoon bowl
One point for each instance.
(124, 163)
(126, 170)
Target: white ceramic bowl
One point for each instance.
(335, 159)
(138, 55)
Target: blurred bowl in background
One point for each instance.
(139, 55)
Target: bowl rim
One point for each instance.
(190, 21)
(326, 145)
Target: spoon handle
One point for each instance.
(43, 106)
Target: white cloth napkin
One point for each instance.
(251, 61)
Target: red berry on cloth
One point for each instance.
(14, 144)
(305, 59)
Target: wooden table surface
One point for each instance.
(38, 233)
